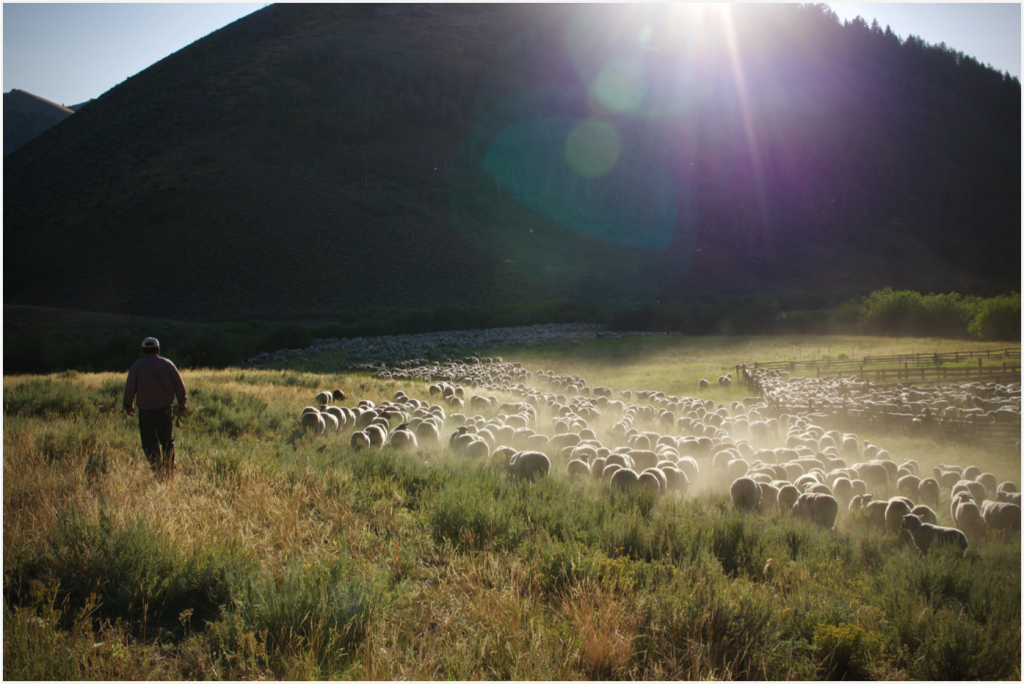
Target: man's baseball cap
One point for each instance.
(150, 343)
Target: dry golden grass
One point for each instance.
(288, 507)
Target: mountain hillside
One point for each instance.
(312, 160)
(26, 116)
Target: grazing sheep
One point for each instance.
(688, 465)
(703, 384)
(359, 440)
(788, 495)
(1008, 487)
(330, 421)
(314, 422)
(842, 490)
(1001, 516)
(403, 440)
(926, 514)
(909, 485)
(338, 395)
(925, 535)
(859, 501)
(976, 489)
(946, 478)
(1009, 497)
(746, 493)
(737, 467)
(578, 468)
(676, 479)
(650, 481)
(894, 514)
(337, 413)
(643, 459)
(859, 486)
(527, 465)
(875, 516)
(377, 434)
(623, 479)
(323, 398)
(478, 448)
(970, 473)
(989, 480)
(821, 508)
(769, 498)
(969, 520)
(929, 491)
(427, 433)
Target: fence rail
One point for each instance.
(957, 429)
(890, 377)
(915, 359)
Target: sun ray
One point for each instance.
(743, 97)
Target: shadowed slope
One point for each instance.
(310, 160)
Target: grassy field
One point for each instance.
(276, 554)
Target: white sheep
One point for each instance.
(337, 413)
(330, 421)
(315, 422)
(769, 497)
(403, 440)
(527, 465)
(925, 514)
(578, 469)
(925, 535)
(1001, 516)
(649, 480)
(788, 495)
(909, 485)
(746, 493)
(1009, 497)
(928, 489)
(895, 511)
(359, 440)
(622, 479)
(969, 519)
(377, 434)
(821, 508)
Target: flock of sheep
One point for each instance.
(646, 440)
(369, 353)
(975, 401)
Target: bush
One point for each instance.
(998, 319)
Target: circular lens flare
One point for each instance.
(621, 84)
(592, 148)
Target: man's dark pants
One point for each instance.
(155, 427)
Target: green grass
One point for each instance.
(275, 554)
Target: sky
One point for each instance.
(989, 32)
(69, 53)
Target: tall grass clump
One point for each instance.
(131, 572)
(314, 612)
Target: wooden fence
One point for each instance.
(975, 430)
(917, 359)
(887, 378)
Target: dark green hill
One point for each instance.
(312, 160)
(26, 116)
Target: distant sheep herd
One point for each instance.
(668, 445)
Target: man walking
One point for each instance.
(153, 383)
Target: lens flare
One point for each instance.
(621, 84)
(592, 148)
